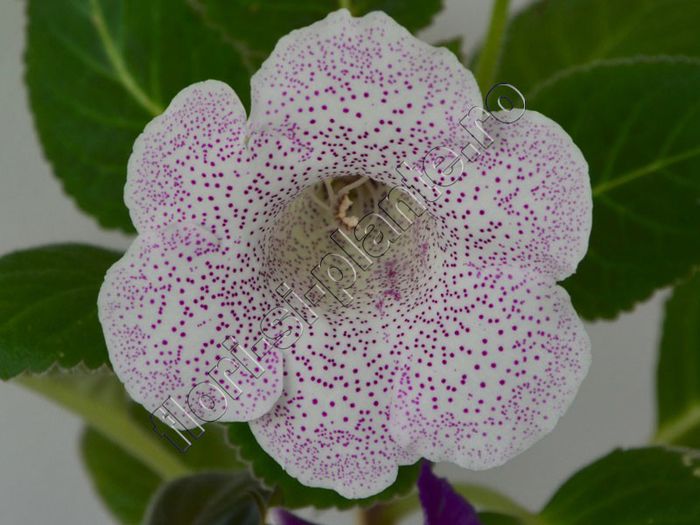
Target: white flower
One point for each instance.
(457, 343)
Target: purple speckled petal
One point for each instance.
(526, 201)
(492, 366)
(330, 428)
(441, 504)
(165, 308)
(188, 165)
(362, 95)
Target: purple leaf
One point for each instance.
(440, 503)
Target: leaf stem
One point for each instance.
(346, 4)
(670, 433)
(491, 52)
(113, 421)
(482, 498)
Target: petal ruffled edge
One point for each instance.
(497, 361)
(170, 312)
(182, 167)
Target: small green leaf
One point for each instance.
(638, 127)
(211, 498)
(48, 308)
(678, 375)
(291, 493)
(606, 72)
(99, 70)
(631, 487)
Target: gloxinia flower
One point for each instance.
(440, 334)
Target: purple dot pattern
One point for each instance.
(167, 306)
(525, 201)
(489, 367)
(458, 344)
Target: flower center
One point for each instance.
(365, 254)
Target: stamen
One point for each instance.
(337, 203)
(343, 206)
(329, 190)
(319, 202)
(352, 186)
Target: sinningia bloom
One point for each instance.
(440, 335)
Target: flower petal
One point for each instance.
(166, 309)
(526, 201)
(184, 166)
(330, 428)
(492, 365)
(362, 95)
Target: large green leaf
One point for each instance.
(210, 498)
(602, 70)
(632, 487)
(638, 127)
(99, 70)
(290, 493)
(48, 308)
(678, 375)
(653, 485)
(253, 27)
(551, 36)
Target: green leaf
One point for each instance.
(627, 487)
(126, 483)
(495, 518)
(638, 127)
(48, 308)
(292, 494)
(454, 45)
(603, 71)
(678, 375)
(240, 22)
(209, 452)
(551, 36)
(632, 487)
(412, 14)
(254, 27)
(99, 70)
(126, 459)
(212, 498)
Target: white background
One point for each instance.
(41, 477)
